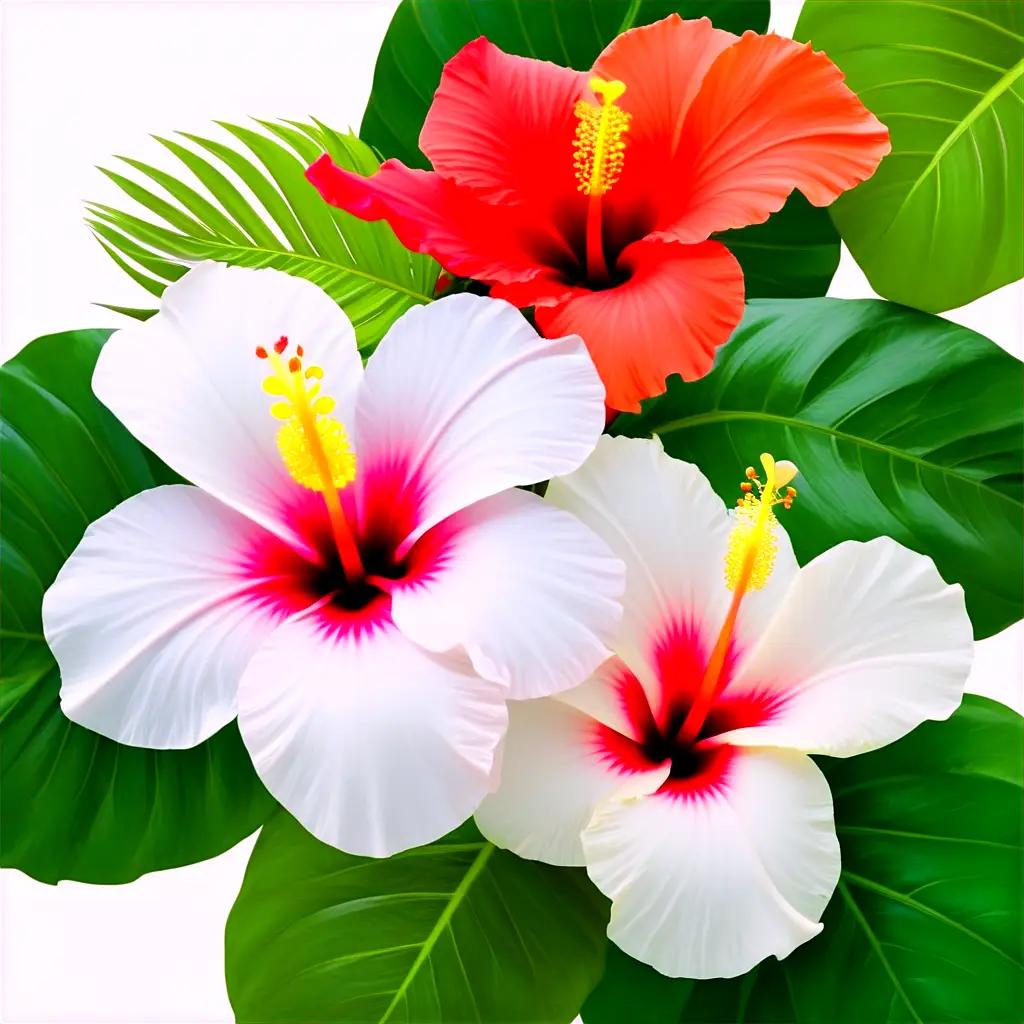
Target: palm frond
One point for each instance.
(247, 203)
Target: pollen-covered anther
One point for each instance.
(599, 150)
(753, 544)
(313, 444)
(753, 540)
(303, 462)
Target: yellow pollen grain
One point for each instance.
(599, 149)
(313, 444)
(302, 461)
(753, 544)
(751, 535)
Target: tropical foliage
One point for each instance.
(902, 423)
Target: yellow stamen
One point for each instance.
(598, 155)
(600, 149)
(749, 560)
(313, 444)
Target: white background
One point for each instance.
(81, 81)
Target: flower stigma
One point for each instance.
(599, 153)
(749, 560)
(313, 444)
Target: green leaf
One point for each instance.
(278, 220)
(925, 925)
(631, 991)
(940, 223)
(902, 424)
(76, 805)
(794, 254)
(452, 932)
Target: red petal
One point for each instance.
(505, 126)
(680, 303)
(771, 115)
(663, 66)
(431, 214)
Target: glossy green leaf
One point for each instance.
(794, 254)
(278, 220)
(447, 933)
(75, 805)
(902, 424)
(925, 926)
(940, 223)
(633, 991)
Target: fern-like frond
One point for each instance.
(248, 203)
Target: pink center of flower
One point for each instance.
(291, 582)
(695, 707)
(698, 767)
(357, 538)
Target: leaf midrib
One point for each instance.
(723, 415)
(876, 947)
(988, 98)
(457, 896)
(925, 910)
(220, 243)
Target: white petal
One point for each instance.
(526, 589)
(373, 744)
(187, 382)
(868, 643)
(154, 617)
(707, 887)
(552, 779)
(663, 519)
(463, 399)
(606, 696)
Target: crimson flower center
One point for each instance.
(382, 569)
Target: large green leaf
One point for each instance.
(940, 223)
(279, 221)
(452, 932)
(902, 424)
(926, 923)
(794, 254)
(76, 805)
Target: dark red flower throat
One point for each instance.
(697, 767)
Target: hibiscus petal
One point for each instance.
(463, 399)
(661, 517)
(771, 115)
(552, 779)
(869, 643)
(706, 886)
(188, 385)
(613, 696)
(155, 615)
(530, 592)
(662, 65)
(373, 744)
(504, 126)
(676, 306)
(431, 214)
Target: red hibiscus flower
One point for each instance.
(592, 196)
